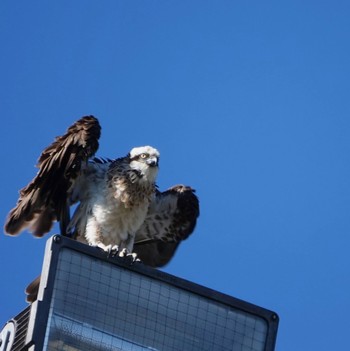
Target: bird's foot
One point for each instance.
(111, 250)
(129, 256)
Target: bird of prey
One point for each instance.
(119, 207)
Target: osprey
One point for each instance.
(120, 209)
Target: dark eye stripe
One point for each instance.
(138, 157)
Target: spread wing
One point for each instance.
(171, 218)
(45, 198)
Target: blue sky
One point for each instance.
(247, 101)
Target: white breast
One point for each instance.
(107, 219)
(113, 222)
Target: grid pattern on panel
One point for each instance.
(100, 306)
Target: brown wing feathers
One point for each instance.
(158, 252)
(187, 211)
(44, 199)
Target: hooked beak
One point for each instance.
(152, 161)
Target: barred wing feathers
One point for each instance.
(171, 218)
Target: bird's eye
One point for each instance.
(144, 156)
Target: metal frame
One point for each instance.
(40, 308)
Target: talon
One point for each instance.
(123, 253)
(132, 257)
(114, 251)
(135, 260)
(129, 256)
(109, 249)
